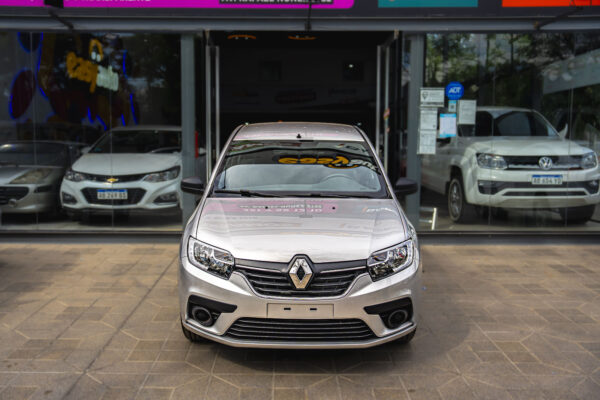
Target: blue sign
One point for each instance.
(455, 90)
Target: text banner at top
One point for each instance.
(549, 3)
(260, 4)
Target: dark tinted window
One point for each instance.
(139, 141)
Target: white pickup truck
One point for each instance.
(513, 158)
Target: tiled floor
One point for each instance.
(101, 321)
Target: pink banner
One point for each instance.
(259, 4)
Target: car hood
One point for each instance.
(125, 163)
(275, 230)
(528, 147)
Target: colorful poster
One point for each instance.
(427, 3)
(549, 3)
(259, 4)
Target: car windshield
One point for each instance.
(47, 154)
(139, 141)
(510, 124)
(300, 168)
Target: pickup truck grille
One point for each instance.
(531, 163)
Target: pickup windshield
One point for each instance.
(300, 169)
(511, 123)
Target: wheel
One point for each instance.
(191, 336)
(406, 338)
(577, 215)
(460, 211)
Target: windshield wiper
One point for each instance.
(246, 193)
(337, 196)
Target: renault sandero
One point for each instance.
(299, 241)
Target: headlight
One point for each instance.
(491, 161)
(162, 176)
(75, 176)
(389, 261)
(211, 259)
(589, 160)
(33, 176)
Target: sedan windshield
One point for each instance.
(47, 154)
(509, 123)
(300, 168)
(139, 141)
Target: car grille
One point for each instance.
(300, 330)
(9, 192)
(120, 178)
(134, 196)
(559, 163)
(493, 187)
(278, 284)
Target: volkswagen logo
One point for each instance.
(300, 272)
(545, 163)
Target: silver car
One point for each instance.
(299, 241)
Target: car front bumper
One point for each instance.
(147, 201)
(363, 292)
(515, 190)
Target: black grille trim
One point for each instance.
(493, 187)
(276, 283)
(134, 196)
(121, 178)
(12, 192)
(531, 163)
(300, 330)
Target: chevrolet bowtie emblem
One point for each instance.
(300, 272)
(112, 180)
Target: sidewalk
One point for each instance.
(81, 321)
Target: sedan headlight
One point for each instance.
(589, 160)
(162, 176)
(75, 176)
(210, 259)
(389, 261)
(32, 176)
(491, 161)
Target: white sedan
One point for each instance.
(126, 169)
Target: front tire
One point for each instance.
(460, 211)
(577, 215)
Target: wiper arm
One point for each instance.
(337, 196)
(246, 193)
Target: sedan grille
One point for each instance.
(16, 192)
(278, 284)
(120, 178)
(134, 196)
(300, 330)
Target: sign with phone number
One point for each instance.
(261, 4)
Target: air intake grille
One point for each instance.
(15, 192)
(278, 284)
(300, 330)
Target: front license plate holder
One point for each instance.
(112, 194)
(300, 311)
(547, 180)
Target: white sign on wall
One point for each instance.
(432, 97)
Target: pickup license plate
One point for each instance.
(112, 194)
(546, 180)
(300, 311)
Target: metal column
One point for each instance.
(413, 160)
(208, 109)
(188, 120)
(378, 104)
(217, 103)
(386, 106)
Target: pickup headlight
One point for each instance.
(210, 259)
(589, 160)
(75, 176)
(32, 176)
(389, 261)
(491, 161)
(162, 176)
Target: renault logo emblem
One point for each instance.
(112, 180)
(300, 272)
(545, 163)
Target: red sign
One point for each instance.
(549, 3)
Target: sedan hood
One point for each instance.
(125, 163)
(528, 147)
(326, 230)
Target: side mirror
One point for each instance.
(405, 186)
(193, 185)
(563, 132)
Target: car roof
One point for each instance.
(306, 130)
(148, 128)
